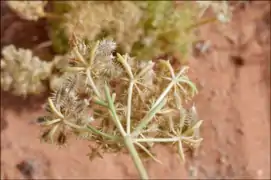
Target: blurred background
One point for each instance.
(232, 73)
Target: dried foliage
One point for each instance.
(23, 73)
(140, 28)
(143, 29)
(92, 20)
(29, 10)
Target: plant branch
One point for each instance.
(101, 103)
(145, 70)
(148, 117)
(138, 163)
(148, 152)
(92, 130)
(80, 57)
(47, 123)
(160, 102)
(74, 69)
(95, 89)
(127, 138)
(174, 139)
(53, 108)
(129, 107)
(92, 53)
(96, 131)
(123, 61)
(113, 111)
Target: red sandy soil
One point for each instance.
(233, 78)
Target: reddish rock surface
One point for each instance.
(233, 78)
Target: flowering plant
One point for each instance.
(122, 103)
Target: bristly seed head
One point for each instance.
(106, 47)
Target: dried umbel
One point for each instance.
(166, 29)
(65, 109)
(29, 10)
(92, 20)
(135, 106)
(22, 72)
(143, 29)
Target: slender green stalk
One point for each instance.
(127, 138)
(101, 103)
(53, 108)
(169, 68)
(144, 70)
(129, 107)
(47, 123)
(166, 91)
(92, 129)
(92, 53)
(148, 117)
(79, 55)
(148, 152)
(163, 95)
(74, 69)
(113, 111)
(125, 65)
(72, 125)
(180, 151)
(157, 139)
(92, 84)
(96, 131)
(159, 103)
(138, 163)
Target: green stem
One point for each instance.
(92, 84)
(158, 139)
(129, 107)
(96, 131)
(127, 138)
(113, 112)
(138, 163)
(54, 109)
(163, 95)
(92, 130)
(126, 66)
(47, 123)
(169, 68)
(80, 57)
(148, 117)
(145, 70)
(75, 126)
(74, 69)
(159, 103)
(101, 103)
(92, 53)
